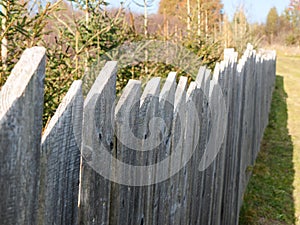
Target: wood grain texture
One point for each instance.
(193, 178)
(149, 134)
(127, 111)
(97, 138)
(21, 111)
(176, 181)
(166, 108)
(60, 161)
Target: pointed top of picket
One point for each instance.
(170, 84)
(152, 88)
(201, 76)
(32, 62)
(216, 73)
(191, 88)
(109, 71)
(130, 96)
(74, 91)
(180, 90)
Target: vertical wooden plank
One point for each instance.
(217, 138)
(252, 117)
(224, 156)
(243, 69)
(206, 187)
(60, 161)
(197, 98)
(264, 81)
(238, 137)
(21, 111)
(193, 178)
(177, 147)
(256, 111)
(166, 108)
(97, 137)
(230, 151)
(209, 160)
(221, 83)
(126, 115)
(258, 105)
(148, 133)
(229, 214)
(248, 122)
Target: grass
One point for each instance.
(273, 193)
(289, 67)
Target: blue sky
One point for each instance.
(256, 10)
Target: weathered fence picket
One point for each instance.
(147, 132)
(179, 155)
(21, 111)
(230, 157)
(192, 177)
(166, 110)
(127, 111)
(97, 139)
(176, 182)
(60, 161)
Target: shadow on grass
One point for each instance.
(269, 195)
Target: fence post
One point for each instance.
(230, 151)
(177, 145)
(196, 107)
(166, 108)
(60, 161)
(21, 109)
(203, 82)
(97, 138)
(149, 134)
(192, 184)
(126, 115)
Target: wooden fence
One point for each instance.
(44, 179)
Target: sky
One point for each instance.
(256, 10)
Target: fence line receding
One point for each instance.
(180, 154)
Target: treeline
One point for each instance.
(284, 28)
(77, 34)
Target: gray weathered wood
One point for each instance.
(229, 166)
(166, 108)
(196, 109)
(21, 111)
(193, 179)
(203, 81)
(97, 139)
(149, 134)
(60, 161)
(177, 147)
(150, 99)
(126, 116)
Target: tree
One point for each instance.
(22, 27)
(145, 4)
(80, 33)
(272, 24)
(240, 28)
(203, 16)
(294, 9)
(171, 7)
